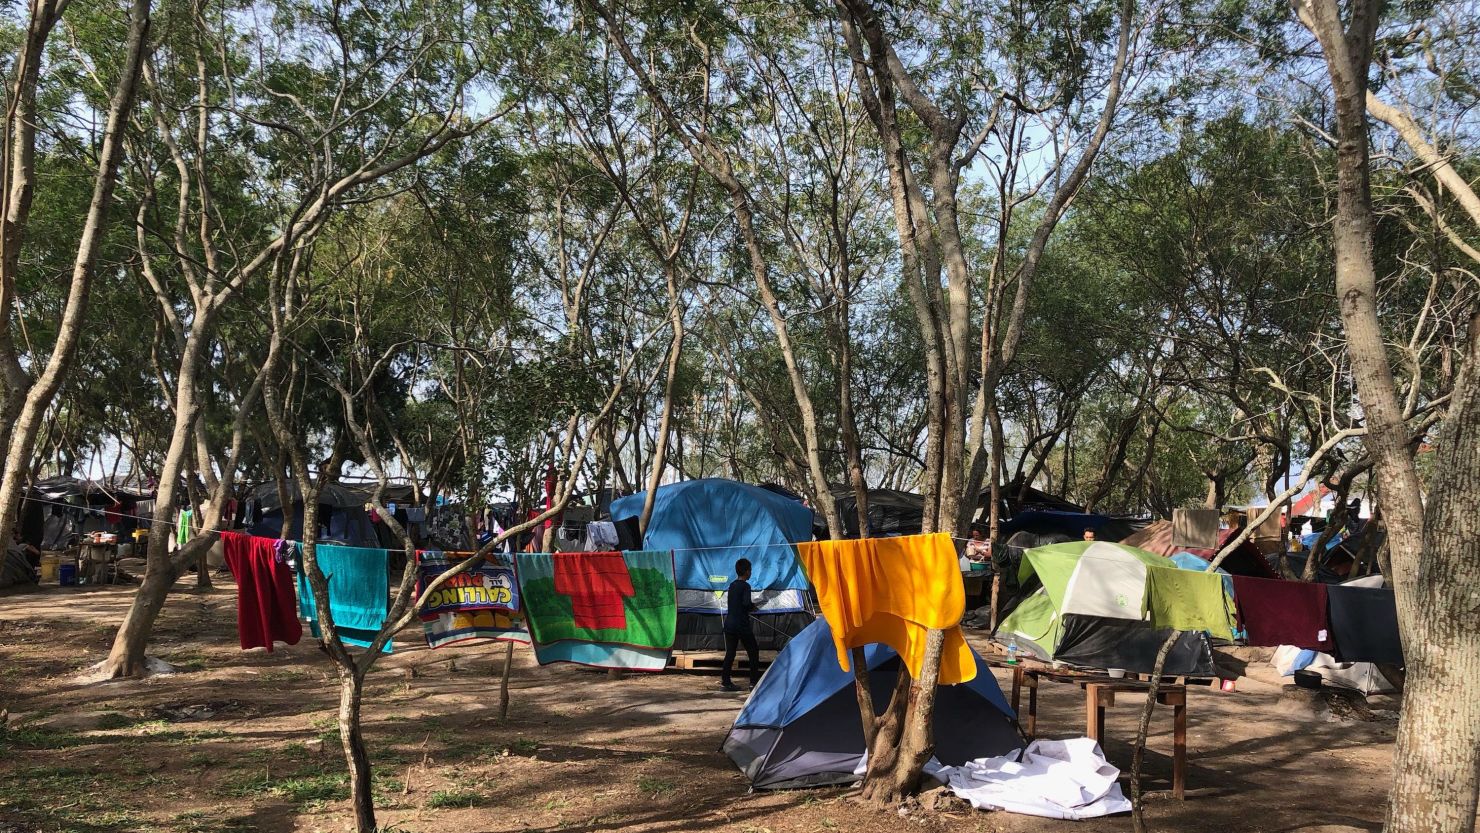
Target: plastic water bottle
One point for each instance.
(1012, 651)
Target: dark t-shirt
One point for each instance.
(737, 615)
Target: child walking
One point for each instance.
(737, 628)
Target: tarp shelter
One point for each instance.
(1363, 677)
(73, 506)
(1072, 524)
(342, 515)
(1156, 538)
(710, 524)
(1066, 619)
(800, 727)
(890, 512)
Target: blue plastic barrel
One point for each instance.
(67, 574)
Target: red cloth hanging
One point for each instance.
(1277, 612)
(596, 583)
(266, 605)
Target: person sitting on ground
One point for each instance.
(1089, 534)
(737, 628)
(20, 562)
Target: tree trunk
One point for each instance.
(69, 329)
(1436, 770)
(1138, 818)
(352, 739)
(1434, 573)
(503, 683)
(905, 737)
(126, 657)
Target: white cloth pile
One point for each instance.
(1060, 779)
(1057, 779)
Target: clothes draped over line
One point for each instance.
(894, 591)
(1187, 600)
(1277, 612)
(482, 603)
(266, 610)
(358, 592)
(1364, 624)
(609, 610)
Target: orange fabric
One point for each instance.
(893, 590)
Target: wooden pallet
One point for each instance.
(711, 662)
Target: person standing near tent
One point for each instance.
(1089, 533)
(739, 604)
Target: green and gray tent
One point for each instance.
(1090, 611)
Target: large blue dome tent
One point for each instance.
(709, 524)
(800, 726)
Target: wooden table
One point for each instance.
(1099, 693)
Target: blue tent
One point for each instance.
(710, 524)
(800, 726)
(729, 521)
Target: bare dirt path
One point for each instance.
(245, 741)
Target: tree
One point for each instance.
(1436, 775)
(27, 398)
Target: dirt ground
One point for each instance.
(243, 741)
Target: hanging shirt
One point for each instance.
(1364, 623)
(1186, 600)
(182, 529)
(1276, 612)
(265, 610)
(894, 591)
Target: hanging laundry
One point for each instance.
(182, 528)
(113, 514)
(1277, 612)
(358, 594)
(1186, 600)
(1364, 623)
(265, 607)
(610, 610)
(893, 591)
(482, 603)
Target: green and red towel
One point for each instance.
(606, 609)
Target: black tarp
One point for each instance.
(1100, 642)
(890, 512)
(705, 631)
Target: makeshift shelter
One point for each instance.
(1063, 619)
(1016, 498)
(59, 508)
(1156, 538)
(710, 524)
(800, 727)
(1363, 677)
(890, 513)
(343, 518)
(1071, 524)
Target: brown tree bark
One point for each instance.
(38, 394)
(1434, 573)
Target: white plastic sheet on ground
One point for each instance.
(1060, 779)
(1057, 779)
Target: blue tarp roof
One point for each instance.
(726, 520)
(807, 672)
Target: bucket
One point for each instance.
(49, 564)
(67, 574)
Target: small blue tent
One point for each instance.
(710, 524)
(800, 726)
